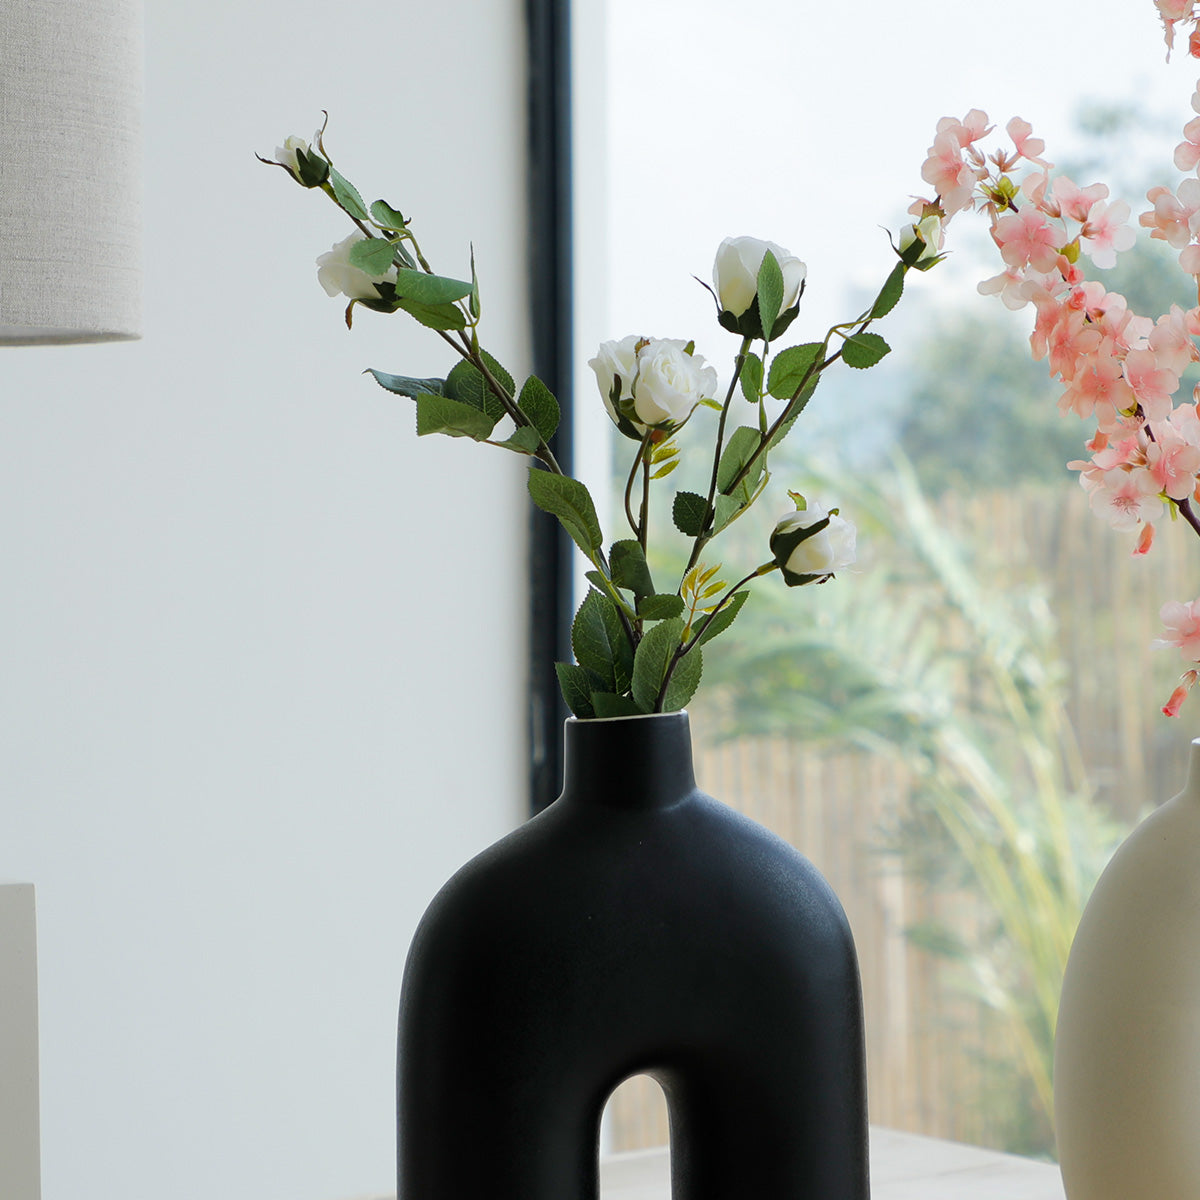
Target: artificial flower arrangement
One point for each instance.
(637, 645)
(1116, 367)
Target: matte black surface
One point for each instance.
(636, 926)
(551, 284)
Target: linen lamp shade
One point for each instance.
(70, 170)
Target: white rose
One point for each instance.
(616, 359)
(670, 383)
(735, 273)
(823, 553)
(336, 275)
(929, 232)
(286, 154)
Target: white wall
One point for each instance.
(261, 652)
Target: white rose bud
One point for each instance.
(928, 231)
(670, 383)
(337, 276)
(615, 359)
(286, 154)
(817, 556)
(735, 273)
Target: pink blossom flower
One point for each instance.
(1187, 153)
(1105, 233)
(1099, 389)
(967, 131)
(1068, 199)
(1171, 340)
(1028, 147)
(1126, 452)
(1179, 695)
(1174, 213)
(1127, 499)
(1172, 11)
(1181, 623)
(1144, 542)
(1070, 341)
(1152, 384)
(1173, 463)
(1027, 237)
(1009, 285)
(1185, 420)
(1189, 259)
(952, 177)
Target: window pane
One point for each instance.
(959, 730)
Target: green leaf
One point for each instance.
(434, 316)
(752, 377)
(689, 512)
(654, 653)
(440, 414)
(373, 255)
(608, 704)
(401, 385)
(889, 294)
(685, 679)
(347, 195)
(498, 373)
(627, 561)
(737, 453)
(789, 367)
(384, 214)
(576, 687)
(537, 402)
(660, 608)
(716, 623)
(523, 441)
(864, 350)
(420, 288)
(466, 383)
(770, 291)
(569, 501)
(726, 509)
(599, 642)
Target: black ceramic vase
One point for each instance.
(637, 926)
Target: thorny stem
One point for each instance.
(703, 537)
(644, 530)
(465, 351)
(638, 527)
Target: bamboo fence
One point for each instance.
(924, 1037)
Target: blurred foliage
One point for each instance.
(950, 667)
(980, 413)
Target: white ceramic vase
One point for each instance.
(1127, 1046)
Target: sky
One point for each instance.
(807, 123)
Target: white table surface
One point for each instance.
(904, 1166)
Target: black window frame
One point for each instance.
(550, 241)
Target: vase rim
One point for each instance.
(679, 712)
